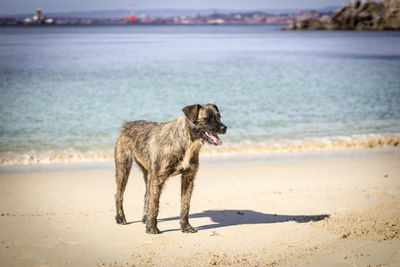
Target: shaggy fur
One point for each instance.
(162, 150)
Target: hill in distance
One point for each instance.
(160, 13)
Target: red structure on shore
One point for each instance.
(130, 18)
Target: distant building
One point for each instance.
(38, 18)
(130, 18)
(216, 21)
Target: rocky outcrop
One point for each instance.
(356, 15)
(307, 24)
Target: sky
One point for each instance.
(27, 6)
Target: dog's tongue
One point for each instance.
(215, 139)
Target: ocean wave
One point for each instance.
(33, 157)
(288, 145)
(309, 144)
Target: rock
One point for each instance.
(356, 15)
(311, 24)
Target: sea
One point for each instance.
(65, 90)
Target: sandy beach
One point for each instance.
(308, 173)
(318, 212)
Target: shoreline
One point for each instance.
(219, 159)
(320, 211)
(332, 144)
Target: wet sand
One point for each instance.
(331, 212)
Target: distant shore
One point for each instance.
(163, 17)
(383, 15)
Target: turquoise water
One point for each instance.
(69, 88)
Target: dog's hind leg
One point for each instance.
(123, 164)
(155, 187)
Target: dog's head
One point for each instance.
(205, 122)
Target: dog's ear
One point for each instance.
(214, 106)
(192, 112)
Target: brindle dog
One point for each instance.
(162, 150)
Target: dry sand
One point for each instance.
(325, 212)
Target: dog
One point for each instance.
(162, 150)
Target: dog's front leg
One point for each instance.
(155, 188)
(146, 195)
(186, 194)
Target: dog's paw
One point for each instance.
(187, 228)
(144, 219)
(120, 219)
(152, 230)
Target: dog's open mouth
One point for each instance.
(213, 138)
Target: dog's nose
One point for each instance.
(223, 128)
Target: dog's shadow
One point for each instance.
(225, 218)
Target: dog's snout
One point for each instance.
(223, 128)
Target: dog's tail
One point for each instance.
(126, 126)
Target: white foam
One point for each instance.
(245, 147)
